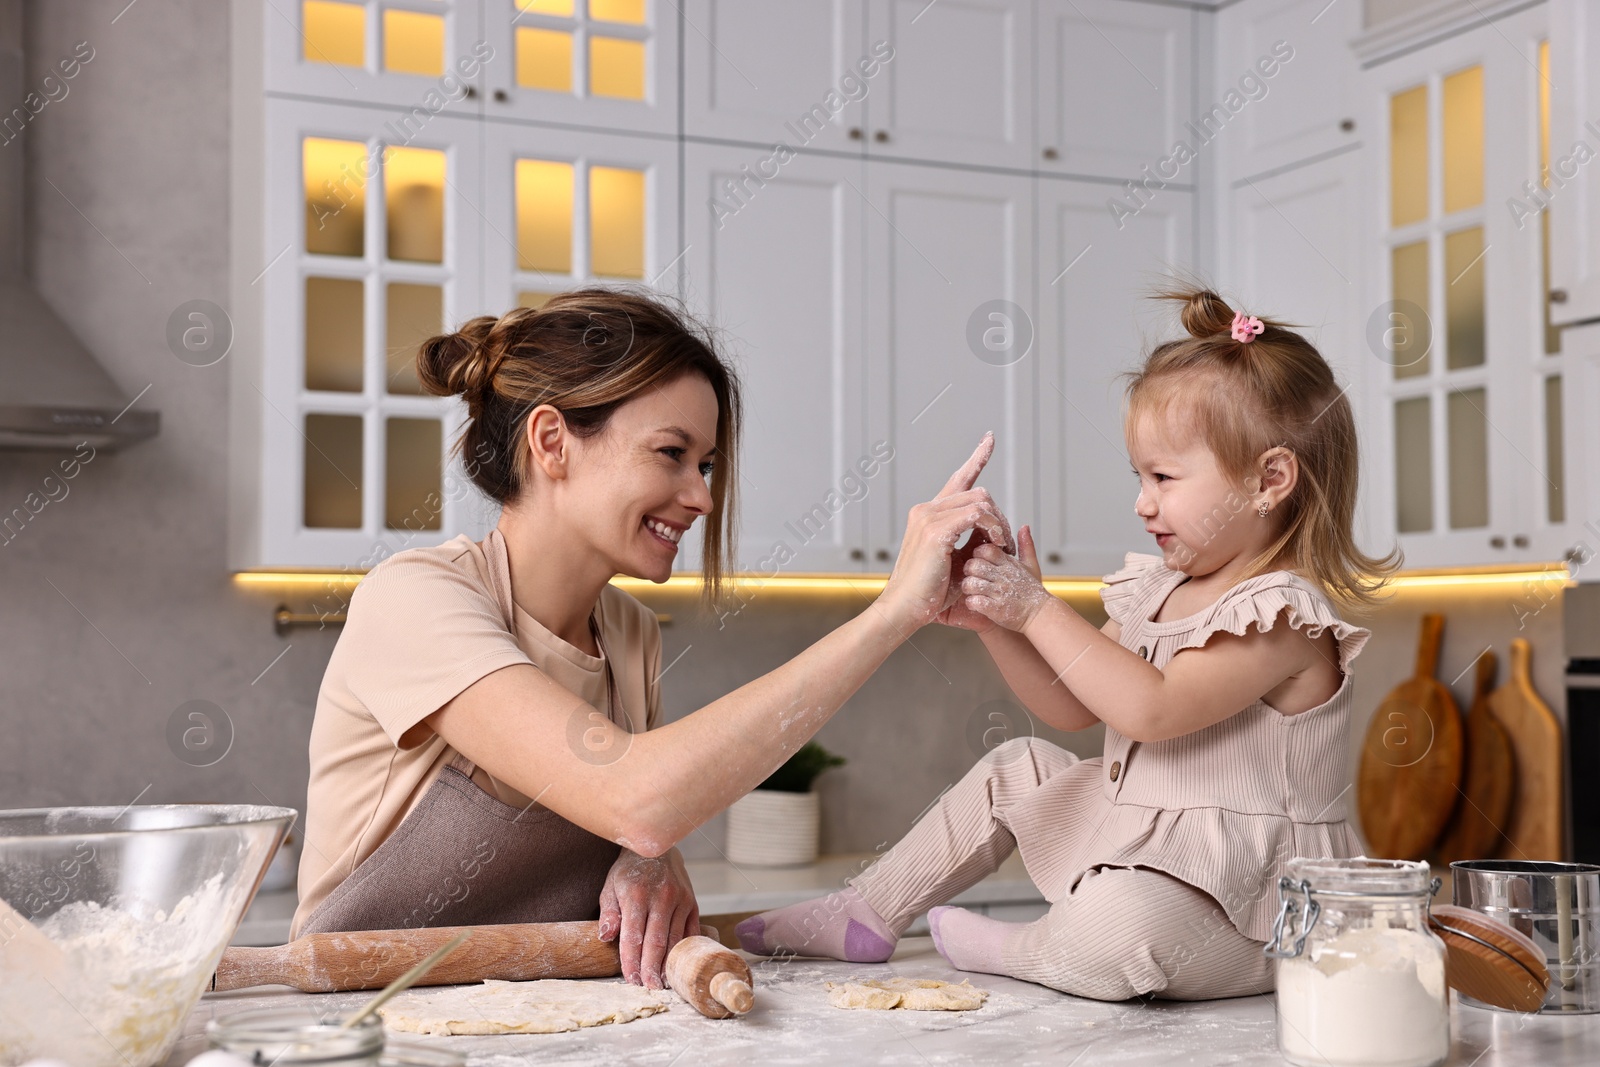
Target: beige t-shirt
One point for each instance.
(422, 627)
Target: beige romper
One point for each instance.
(1160, 860)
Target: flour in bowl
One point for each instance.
(131, 978)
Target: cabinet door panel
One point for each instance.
(960, 86)
(370, 259)
(1575, 207)
(780, 280)
(769, 71)
(1294, 255)
(1096, 324)
(943, 246)
(1114, 87)
(1300, 110)
(420, 56)
(575, 68)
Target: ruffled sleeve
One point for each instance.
(1263, 600)
(1122, 588)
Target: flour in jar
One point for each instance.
(131, 978)
(1371, 997)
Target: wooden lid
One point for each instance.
(1489, 961)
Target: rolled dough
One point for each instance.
(549, 1006)
(910, 994)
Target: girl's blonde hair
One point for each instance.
(585, 352)
(1246, 397)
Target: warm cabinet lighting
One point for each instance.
(334, 33)
(874, 583)
(336, 198)
(544, 216)
(413, 42)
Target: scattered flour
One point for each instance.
(131, 979)
(1372, 997)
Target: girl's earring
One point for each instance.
(1263, 509)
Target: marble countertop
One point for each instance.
(1020, 1024)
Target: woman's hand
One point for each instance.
(1006, 590)
(920, 588)
(648, 906)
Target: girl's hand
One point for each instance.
(921, 586)
(1005, 589)
(647, 906)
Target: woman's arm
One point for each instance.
(648, 791)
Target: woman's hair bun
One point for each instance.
(459, 363)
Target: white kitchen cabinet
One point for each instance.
(1294, 79)
(564, 208)
(413, 54)
(947, 361)
(960, 86)
(1292, 254)
(1115, 88)
(1096, 322)
(773, 71)
(598, 64)
(778, 273)
(1457, 401)
(1574, 144)
(350, 463)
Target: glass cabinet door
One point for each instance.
(1466, 386)
(609, 64)
(564, 209)
(381, 251)
(426, 56)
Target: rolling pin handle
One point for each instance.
(732, 993)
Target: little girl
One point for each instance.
(1225, 731)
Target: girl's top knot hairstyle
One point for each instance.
(585, 353)
(1248, 384)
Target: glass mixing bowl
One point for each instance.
(137, 905)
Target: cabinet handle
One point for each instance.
(1053, 557)
(857, 554)
(1521, 540)
(501, 96)
(472, 92)
(1497, 541)
(1578, 553)
(1347, 125)
(855, 133)
(882, 136)
(882, 555)
(1051, 153)
(1558, 296)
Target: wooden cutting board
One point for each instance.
(1411, 759)
(1488, 779)
(1535, 830)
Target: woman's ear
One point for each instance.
(1279, 471)
(548, 441)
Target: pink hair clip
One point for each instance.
(1246, 327)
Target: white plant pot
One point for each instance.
(770, 828)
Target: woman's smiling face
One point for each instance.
(1198, 515)
(634, 490)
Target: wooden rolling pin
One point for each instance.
(713, 979)
(371, 959)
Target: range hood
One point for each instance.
(53, 394)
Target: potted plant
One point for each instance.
(776, 824)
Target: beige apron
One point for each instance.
(463, 857)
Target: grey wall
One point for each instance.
(118, 603)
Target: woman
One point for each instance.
(461, 770)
